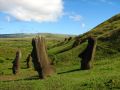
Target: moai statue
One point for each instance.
(65, 39)
(16, 65)
(36, 62)
(78, 41)
(88, 54)
(69, 38)
(28, 60)
(40, 58)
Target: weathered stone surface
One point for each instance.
(70, 38)
(88, 54)
(16, 64)
(40, 58)
(28, 61)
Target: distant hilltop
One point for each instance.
(25, 35)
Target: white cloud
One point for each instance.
(83, 25)
(8, 18)
(75, 17)
(33, 10)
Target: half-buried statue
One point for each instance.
(88, 54)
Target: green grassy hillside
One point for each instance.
(105, 27)
(108, 37)
(105, 74)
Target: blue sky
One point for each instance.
(74, 17)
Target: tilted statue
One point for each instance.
(88, 54)
(40, 58)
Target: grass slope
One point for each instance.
(105, 74)
(108, 41)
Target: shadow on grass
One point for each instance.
(29, 78)
(32, 78)
(10, 68)
(24, 68)
(69, 71)
(20, 68)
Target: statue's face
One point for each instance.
(90, 40)
(33, 42)
(17, 53)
